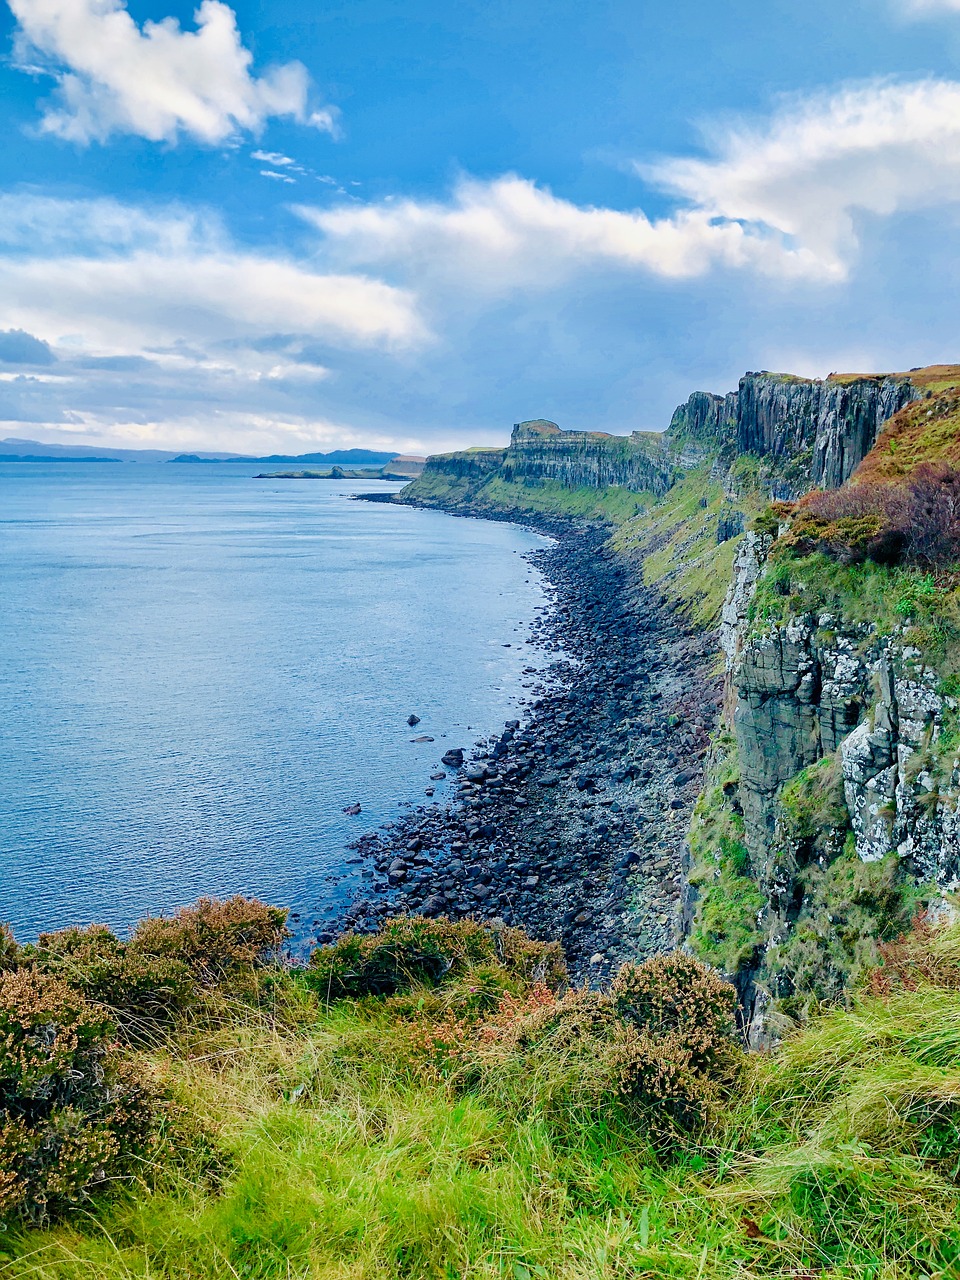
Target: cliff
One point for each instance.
(830, 803)
(546, 468)
(799, 433)
(809, 433)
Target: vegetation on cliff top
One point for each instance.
(456, 1113)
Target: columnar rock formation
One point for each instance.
(816, 432)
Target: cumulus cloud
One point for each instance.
(156, 81)
(169, 277)
(509, 232)
(19, 347)
(157, 317)
(782, 198)
(807, 174)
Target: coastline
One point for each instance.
(571, 821)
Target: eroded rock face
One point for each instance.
(869, 714)
(541, 451)
(836, 423)
(900, 793)
(475, 465)
(815, 433)
(817, 686)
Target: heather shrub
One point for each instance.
(73, 1116)
(676, 994)
(665, 1079)
(9, 951)
(218, 941)
(413, 951)
(579, 1018)
(914, 521)
(656, 1054)
(139, 988)
(678, 1054)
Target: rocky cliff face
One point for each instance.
(803, 433)
(471, 465)
(812, 434)
(847, 755)
(541, 451)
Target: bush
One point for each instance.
(663, 1077)
(678, 995)
(218, 941)
(72, 1115)
(413, 951)
(657, 1050)
(927, 956)
(138, 988)
(915, 521)
(9, 951)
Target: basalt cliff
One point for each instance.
(828, 814)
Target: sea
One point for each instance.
(200, 670)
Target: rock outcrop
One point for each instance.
(812, 434)
(844, 743)
(803, 433)
(540, 451)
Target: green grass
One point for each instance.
(677, 541)
(613, 503)
(890, 599)
(344, 1159)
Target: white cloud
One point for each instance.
(275, 158)
(127, 281)
(157, 81)
(917, 8)
(809, 172)
(509, 233)
(781, 198)
(280, 177)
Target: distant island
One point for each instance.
(13, 449)
(401, 468)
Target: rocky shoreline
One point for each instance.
(571, 822)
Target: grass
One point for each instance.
(614, 504)
(344, 1157)
(934, 377)
(677, 541)
(890, 599)
(924, 431)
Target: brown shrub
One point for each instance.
(916, 521)
(72, 1114)
(676, 994)
(933, 528)
(412, 951)
(678, 1055)
(9, 951)
(927, 956)
(216, 940)
(137, 987)
(663, 1078)
(580, 1017)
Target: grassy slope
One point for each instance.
(933, 377)
(925, 431)
(677, 540)
(349, 1160)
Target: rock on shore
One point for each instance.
(572, 822)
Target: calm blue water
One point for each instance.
(199, 670)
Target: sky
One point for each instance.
(279, 226)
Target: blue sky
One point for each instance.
(279, 226)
